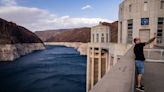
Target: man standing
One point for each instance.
(139, 59)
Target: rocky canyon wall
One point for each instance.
(10, 52)
(16, 41)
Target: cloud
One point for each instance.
(87, 7)
(37, 19)
(8, 2)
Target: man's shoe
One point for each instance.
(140, 88)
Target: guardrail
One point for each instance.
(154, 55)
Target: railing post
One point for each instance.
(161, 54)
(148, 52)
(115, 55)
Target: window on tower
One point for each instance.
(130, 31)
(160, 30)
(102, 38)
(97, 38)
(107, 39)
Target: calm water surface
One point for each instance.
(57, 69)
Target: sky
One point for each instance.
(38, 15)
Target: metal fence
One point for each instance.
(154, 55)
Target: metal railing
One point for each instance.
(154, 55)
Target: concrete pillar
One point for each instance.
(100, 37)
(88, 71)
(124, 31)
(93, 38)
(119, 32)
(105, 40)
(115, 55)
(109, 60)
(99, 65)
(106, 61)
(115, 59)
(107, 37)
(92, 72)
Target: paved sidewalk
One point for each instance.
(154, 77)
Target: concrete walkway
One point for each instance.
(154, 77)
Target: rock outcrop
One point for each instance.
(16, 41)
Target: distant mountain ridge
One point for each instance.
(46, 34)
(75, 34)
(66, 35)
(72, 35)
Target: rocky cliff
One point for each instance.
(16, 41)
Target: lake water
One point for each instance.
(56, 69)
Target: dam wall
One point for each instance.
(81, 47)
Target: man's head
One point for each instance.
(137, 40)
